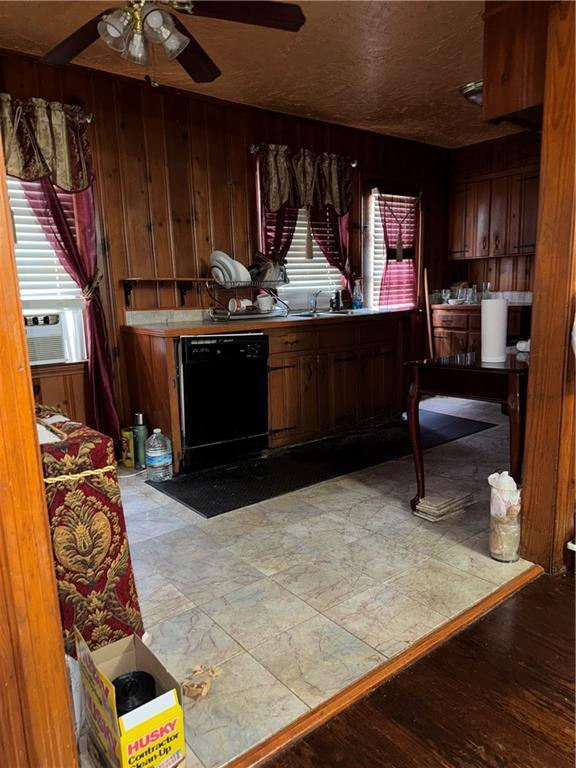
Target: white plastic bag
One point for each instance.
(504, 517)
(75, 685)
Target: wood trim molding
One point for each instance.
(321, 714)
(549, 497)
(35, 702)
(58, 369)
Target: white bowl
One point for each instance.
(456, 301)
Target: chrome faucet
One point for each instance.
(313, 302)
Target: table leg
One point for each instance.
(415, 440)
(516, 418)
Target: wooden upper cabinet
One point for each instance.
(514, 60)
(494, 217)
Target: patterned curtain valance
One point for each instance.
(304, 179)
(44, 138)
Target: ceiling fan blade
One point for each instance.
(195, 60)
(285, 16)
(75, 43)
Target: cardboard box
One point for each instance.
(151, 736)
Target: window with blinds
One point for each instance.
(41, 277)
(307, 275)
(401, 279)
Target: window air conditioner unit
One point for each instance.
(45, 339)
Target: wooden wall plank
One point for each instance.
(201, 193)
(153, 126)
(549, 494)
(178, 171)
(219, 204)
(134, 176)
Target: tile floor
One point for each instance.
(297, 597)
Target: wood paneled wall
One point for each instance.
(175, 177)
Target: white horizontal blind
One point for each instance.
(40, 275)
(307, 275)
(401, 290)
(378, 251)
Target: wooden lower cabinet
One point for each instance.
(353, 375)
(458, 329)
(63, 386)
(323, 378)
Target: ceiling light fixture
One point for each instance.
(473, 92)
(129, 30)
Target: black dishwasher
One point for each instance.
(223, 397)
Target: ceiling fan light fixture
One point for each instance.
(158, 25)
(175, 44)
(136, 48)
(114, 28)
(473, 92)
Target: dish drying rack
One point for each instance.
(221, 313)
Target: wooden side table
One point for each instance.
(468, 377)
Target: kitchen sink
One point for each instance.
(323, 313)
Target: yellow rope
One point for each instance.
(86, 473)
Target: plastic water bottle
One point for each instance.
(158, 457)
(357, 296)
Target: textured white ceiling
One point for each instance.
(389, 67)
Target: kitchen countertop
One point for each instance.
(471, 307)
(175, 329)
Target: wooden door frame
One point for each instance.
(549, 500)
(35, 702)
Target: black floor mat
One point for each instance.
(213, 491)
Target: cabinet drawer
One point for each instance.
(447, 319)
(291, 341)
(342, 335)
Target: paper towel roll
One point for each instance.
(494, 328)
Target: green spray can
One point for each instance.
(140, 436)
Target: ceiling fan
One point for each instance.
(131, 28)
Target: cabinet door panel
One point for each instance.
(292, 398)
(499, 216)
(459, 203)
(528, 215)
(481, 214)
(458, 342)
(52, 391)
(344, 370)
(474, 342)
(386, 382)
(442, 346)
(307, 368)
(283, 399)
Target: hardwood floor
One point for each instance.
(499, 695)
